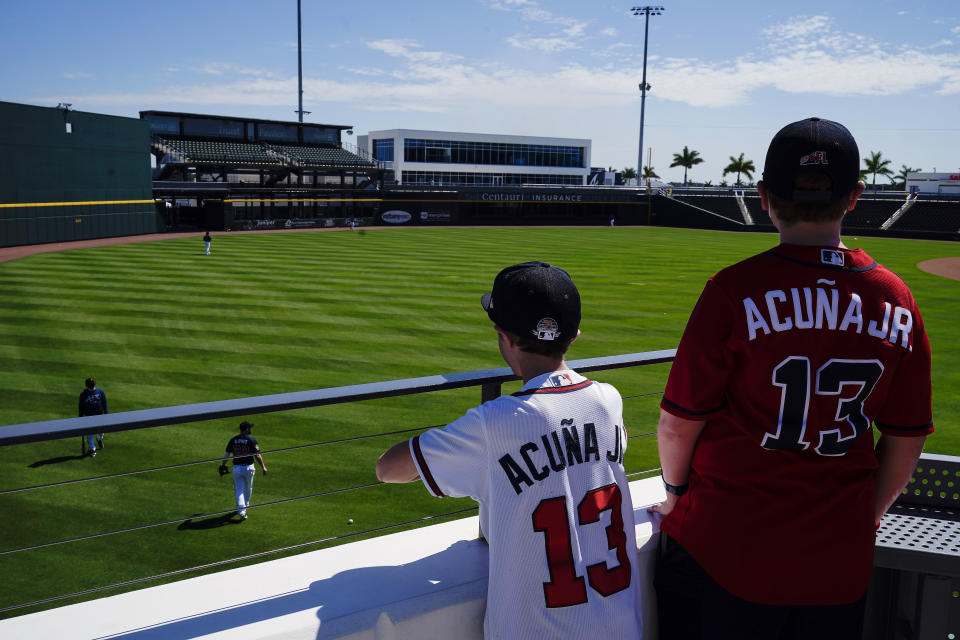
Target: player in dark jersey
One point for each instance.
(775, 487)
(243, 449)
(93, 402)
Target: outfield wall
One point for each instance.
(70, 175)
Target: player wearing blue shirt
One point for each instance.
(243, 448)
(93, 402)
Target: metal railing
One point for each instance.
(489, 380)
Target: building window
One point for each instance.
(494, 153)
(451, 178)
(383, 149)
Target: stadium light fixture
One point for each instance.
(646, 12)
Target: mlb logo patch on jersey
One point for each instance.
(831, 256)
(547, 329)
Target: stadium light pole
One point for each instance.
(646, 12)
(300, 110)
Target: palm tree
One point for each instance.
(875, 164)
(686, 159)
(649, 173)
(738, 166)
(628, 173)
(901, 178)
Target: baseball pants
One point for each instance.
(692, 606)
(243, 485)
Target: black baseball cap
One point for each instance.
(812, 146)
(535, 299)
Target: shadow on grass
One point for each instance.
(57, 460)
(209, 523)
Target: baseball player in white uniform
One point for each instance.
(546, 466)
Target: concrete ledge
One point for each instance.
(426, 583)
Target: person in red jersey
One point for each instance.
(775, 487)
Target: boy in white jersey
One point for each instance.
(546, 466)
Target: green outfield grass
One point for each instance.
(160, 324)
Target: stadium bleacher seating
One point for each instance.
(259, 154)
(320, 156)
(721, 205)
(930, 215)
(761, 219)
(870, 213)
(221, 152)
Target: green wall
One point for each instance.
(104, 161)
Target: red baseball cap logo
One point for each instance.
(817, 157)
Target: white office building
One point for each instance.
(423, 158)
(934, 183)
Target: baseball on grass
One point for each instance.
(349, 520)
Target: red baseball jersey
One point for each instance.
(790, 356)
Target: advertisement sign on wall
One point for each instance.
(396, 216)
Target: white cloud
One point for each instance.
(364, 71)
(532, 12)
(77, 75)
(799, 28)
(214, 68)
(410, 50)
(609, 31)
(805, 55)
(550, 45)
(955, 31)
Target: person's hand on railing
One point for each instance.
(664, 507)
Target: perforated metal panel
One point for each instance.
(920, 538)
(936, 482)
(921, 532)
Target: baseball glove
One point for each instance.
(223, 469)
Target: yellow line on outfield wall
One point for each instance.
(72, 204)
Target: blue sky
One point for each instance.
(724, 76)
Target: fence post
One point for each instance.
(489, 391)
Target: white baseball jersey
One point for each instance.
(546, 466)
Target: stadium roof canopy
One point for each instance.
(181, 114)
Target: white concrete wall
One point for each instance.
(934, 183)
(421, 584)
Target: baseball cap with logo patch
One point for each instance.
(812, 146)
(535, 299)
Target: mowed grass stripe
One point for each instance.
(159, 324)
